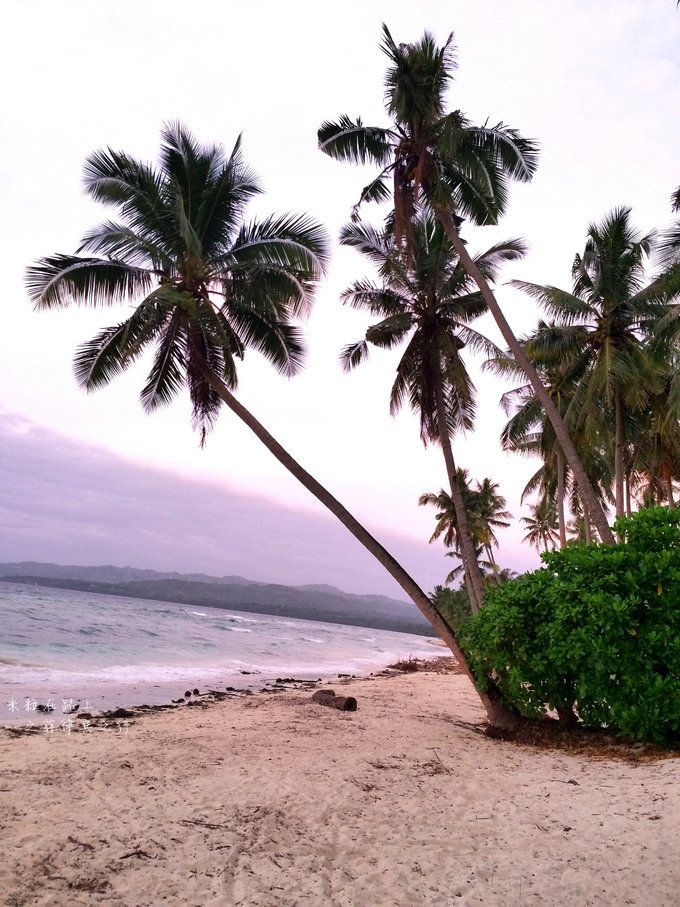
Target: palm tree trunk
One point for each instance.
(561, 433)
(560, 499)
(499, 717)
(586, 525)
(476, 586)
(618, 451)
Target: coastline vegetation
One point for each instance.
(599, 401)
(593, 635)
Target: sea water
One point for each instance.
(104, 651)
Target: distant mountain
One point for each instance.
(109, 574)
(324, 603)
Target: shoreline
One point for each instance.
(272, 799)
(148, 696)
(101, 658)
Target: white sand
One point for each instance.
(275, 800)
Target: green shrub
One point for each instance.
(596, 629)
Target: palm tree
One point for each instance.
(455, 169)
(488, 515)
(655, 459)
(600, 327)
(447, 525)
(485, 509)
(205, 286)
(529, 432)
(541, 525)
(427, 303)
(669, 246)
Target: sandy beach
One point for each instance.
(272, 799)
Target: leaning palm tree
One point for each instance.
(427, 303)
(457, 170)
(205, 286)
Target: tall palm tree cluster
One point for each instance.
(207, 285)
(608, 355)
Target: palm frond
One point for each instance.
(350, 140)
(139, 192)
(675, 197)
(61, 280)
(223, 202)
(288, 240)
(511, 153)
(389, 332)
(366, 239)
(377, 190)
(567, 307)
(471, 188)
(276, 339)
(167, 375)
(108, 354)
(117, 241)
(353, 354)
(490, 262)
(668, 250)
(477, 342)
(378, 301)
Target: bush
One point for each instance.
(596, 630)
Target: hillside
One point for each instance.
(324, 603)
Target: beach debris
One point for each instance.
(297, 680)
(83, 844)
(44, 708)
(407, 665)
(137, 853)
(177, 701)
(196, 692)
(187, 693)
(342, 703)
(119, 713)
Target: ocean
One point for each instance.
(104, 651)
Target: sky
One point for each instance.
(90, 478)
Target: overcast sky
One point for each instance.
(91, 479)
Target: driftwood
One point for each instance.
(328, 697)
